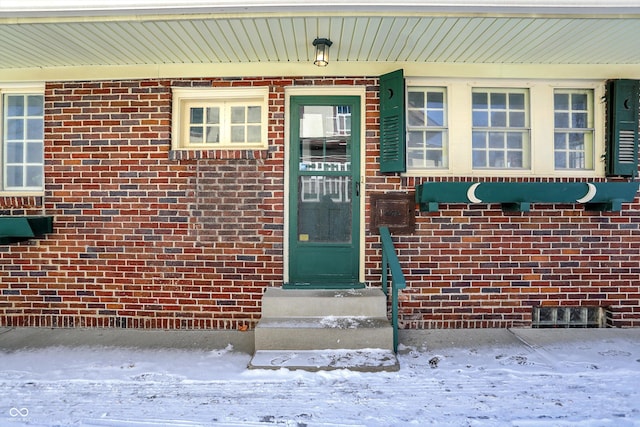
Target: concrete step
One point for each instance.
(278, 302)
(321, 333)
(365, 360)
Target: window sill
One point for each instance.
(222, 154)
(488, 174)
(21, 193)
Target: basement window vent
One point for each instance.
(568, 317)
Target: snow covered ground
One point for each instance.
(594, 382)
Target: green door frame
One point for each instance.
(321, 264)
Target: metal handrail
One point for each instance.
(390, 262)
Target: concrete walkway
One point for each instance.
(12, 339)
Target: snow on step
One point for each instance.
(366, 360)
(324, 329)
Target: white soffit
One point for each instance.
(45, 34)
(99, 7)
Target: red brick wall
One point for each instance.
(150, 238)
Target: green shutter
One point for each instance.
(392, 123)
(622, 127)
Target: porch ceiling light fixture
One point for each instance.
(322, 51)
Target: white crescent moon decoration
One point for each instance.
(471, 193)
(590, 194)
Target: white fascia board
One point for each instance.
(48, 8)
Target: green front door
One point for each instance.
(324, 177)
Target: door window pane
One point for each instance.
(325, 138)
(324, 209)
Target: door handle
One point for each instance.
(357, 188)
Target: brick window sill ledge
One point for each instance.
(218, 154)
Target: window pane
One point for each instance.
(579, 101)
(560, 160)
(479, 159)
(576, 141)
(435, 100)
(560, 141)
(15, 105)
(416, 118)
(435, 118)
(35, 105)
(479, 100)
(237, 134)
(496, 140)
(515, 159)
(34, 176)
(479, 140)
(514, 140)
(15, 176)
(195, 134)
(561, 120)
(15, 152)
(254, 134)
(516, 101)
(415, 139)
(434, 139)
(480, 119)
(435, 159)
(496, 159)
(213, 115)
(254, 114)
(237, 116)
(196, 115)
(35, 153)
(561, 101)
(499, 100)
(15, 130)
(579, 120)
(499, 119)
(517, 119)
(213, 134)
(576, 160)
(415, 99)
(35, 129)
(415, 159)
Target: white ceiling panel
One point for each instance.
(206, 39)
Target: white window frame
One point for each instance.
(428, 128)
(490, 127)
(541, 123)
(17, 89)
(224, 98)
(586, 131)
